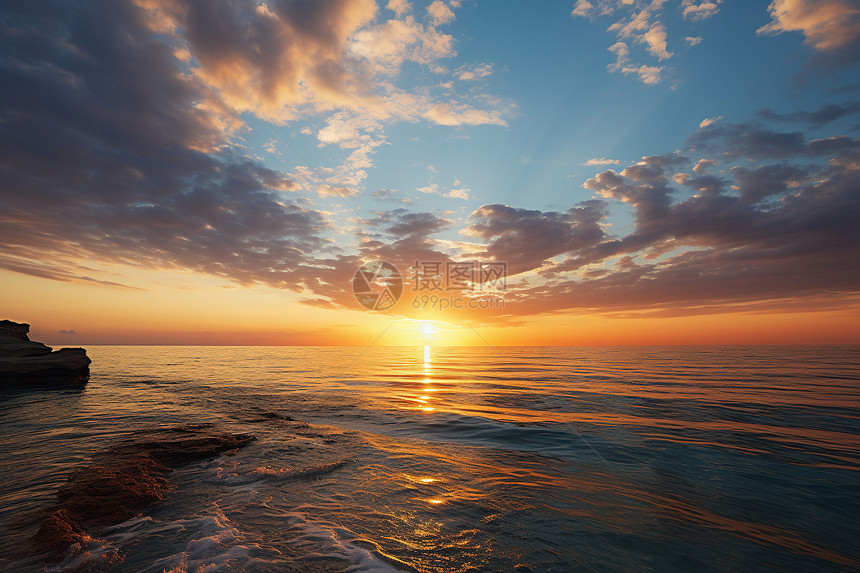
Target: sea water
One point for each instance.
(456, 459)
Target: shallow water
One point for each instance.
(462, 459)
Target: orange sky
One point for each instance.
(183, 308)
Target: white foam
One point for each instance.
(220, 548)
(337, 542)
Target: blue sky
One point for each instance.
(563, 107)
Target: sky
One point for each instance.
(632, 171)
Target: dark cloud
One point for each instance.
(753, 140)
(399, 237)
(524, 239)
(815, 119)
(766, 181)
(268, 57)
(750, 140)
(108, 154)
(769, 237)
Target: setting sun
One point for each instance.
(427, 329)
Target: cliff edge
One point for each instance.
(25, 363)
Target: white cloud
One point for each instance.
(439, 13)
(701, 10)
(826, 24)
(709, 120)
(602, 161)
(655, 38)
(641, 23)
(649, 75)
(456, 113)
(462, 193)
(344, 74)
(457, 191)
(702, 165)
(387, 45)
(474, 72)
(582, 8)
(399, 7)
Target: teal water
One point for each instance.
(462, 459)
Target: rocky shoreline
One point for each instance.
(25, 363)
(124, 480)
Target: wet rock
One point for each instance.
(124, 480)
(25, 363)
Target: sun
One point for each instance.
(428, 329)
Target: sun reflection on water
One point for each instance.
(427, 379)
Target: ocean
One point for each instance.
(458, 459)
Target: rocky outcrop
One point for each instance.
(124, 480)
(24, 363)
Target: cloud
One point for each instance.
(461, 193)
(602, 161)
(582, 8)
(268, 59)
(548, 234)
(779, 237)
(118, 147)
(709, 120)
(828, 26)
(287, 60)
(701, 10)
(457, 113)
(456, 192)
(649, 75)
(754, 140)
(655, 39)
(72, 331)
(639, 22)
(387, 45)
(702, 166)
(141, 170)
(439, 13)
(816, 119)
(390, 195)
(474, 72)
(399, 7)
(760, 183)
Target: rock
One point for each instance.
(124, 480)
(24, 363)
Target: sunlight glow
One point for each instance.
(428, 329)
